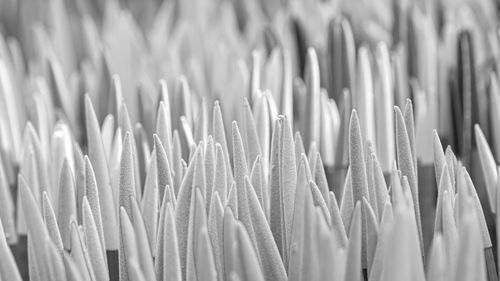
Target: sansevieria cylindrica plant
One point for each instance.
(245, 140)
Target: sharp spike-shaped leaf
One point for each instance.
(67, 202)
(488, 166)
(159, 241)
(444, 185)
(410, 130)
(160, 235)
(276, 209)
(150, 203)
(164, 97)
(479, 209)
(244, 215)
(93, 241)
(299, 147)
(215, 220)
(380, 185)
(97, 156)
(405, 164)
(370, 176)
(163, 167)
(92, 194)
(311, 156)
(164, 127)
(272, 265)
(232, 200)
(219, 133)
(240, 165)
(144, 253)
(128, 128)
(288, 178)
(439, 158)
(297, 226)
(79, 179)
(220, 178)
(258, 185)
(182, 210)
(241, 179)
(357, 161)
(451, 163)
(337, 224)
(114, 165)
(128, 246)
(347, 202)
(209, 170)
(320, 179)
(319, 201)
(51, 223)
(36, 228)
(170, 196)
(177, 162)
(127, 181)
(124, 120)
(358, 169)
